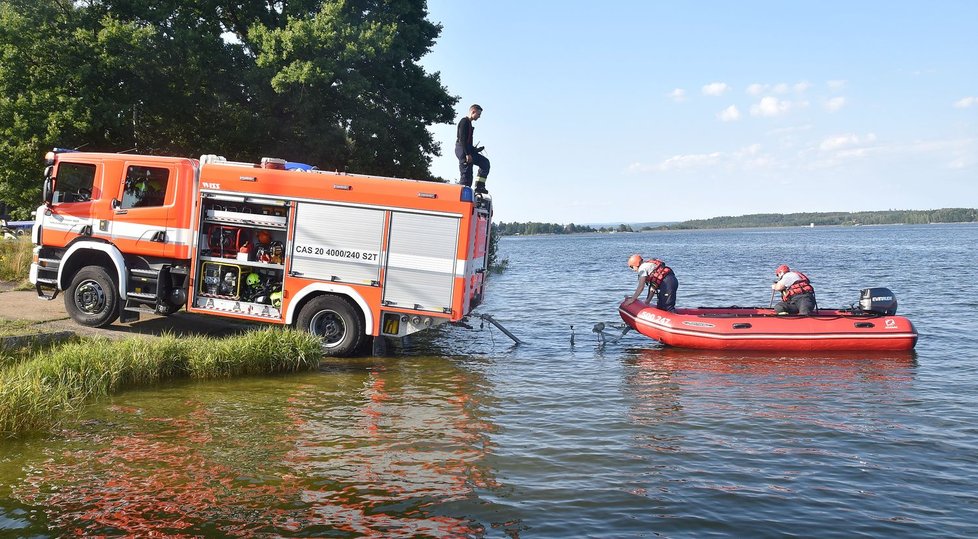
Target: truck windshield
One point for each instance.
(74, 182)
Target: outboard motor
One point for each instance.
(878, 301)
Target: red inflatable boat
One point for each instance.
(756, 328)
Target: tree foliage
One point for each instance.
(888, 217)
(530, 228)
(335, 83)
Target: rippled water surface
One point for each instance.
(462, 434)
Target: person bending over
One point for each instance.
(797, 293)
(660, 279)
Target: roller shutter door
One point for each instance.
(421, 261)
(338, 243)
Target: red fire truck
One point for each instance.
(343, 256)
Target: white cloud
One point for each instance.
(841, 150)
(835, 104)
(966, 102)
(770, 107)
(846, 142)
(715, 88)
(757, 89)
(678, 95)
(953, 154)
(729, 114)
(956, 154)
(685, 161)
(836, 85)
(747, 157)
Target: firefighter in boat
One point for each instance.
(660, 279)
(797, 293)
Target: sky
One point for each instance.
(651, 111)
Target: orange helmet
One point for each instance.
(264, 236)
(635, 261)
(782, 269)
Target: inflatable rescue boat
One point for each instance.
(872, 325)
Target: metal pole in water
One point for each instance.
(491, 320)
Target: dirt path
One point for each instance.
(51, 317)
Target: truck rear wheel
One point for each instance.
(335, 321)
(92, 299)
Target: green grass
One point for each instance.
(51, 386)
(12, 328)
(15, 259)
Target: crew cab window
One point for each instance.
(145, 187)
(74, 183)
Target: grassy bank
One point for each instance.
(40, 389)
(15, 259)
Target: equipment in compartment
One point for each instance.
(272, 252)
(263, 286)
(219, 279)
(225, 241)
(244, 252)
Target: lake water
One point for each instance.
(463, 434)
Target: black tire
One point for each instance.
(336, 322)
(93, 298)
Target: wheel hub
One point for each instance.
(89, 297)
(329, 327)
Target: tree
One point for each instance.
(335, 83)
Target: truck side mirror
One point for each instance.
(48, 191)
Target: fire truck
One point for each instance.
(346, 257)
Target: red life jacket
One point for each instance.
(801, 286)
(659, 273)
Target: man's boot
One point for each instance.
(480, 186)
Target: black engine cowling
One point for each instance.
(878, 300)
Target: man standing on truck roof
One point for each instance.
(468, 154)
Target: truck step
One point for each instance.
(139, 309)
(145, 272)
(139, 296)
(46, 284)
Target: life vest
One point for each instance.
(659, 273)
(801, 286)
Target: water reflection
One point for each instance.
(827, 365)
(729, 430)
(841, 392)
(393, 453)
(381, 449)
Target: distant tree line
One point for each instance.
(531, 228)
(889, 217)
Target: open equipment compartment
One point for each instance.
(241, 255)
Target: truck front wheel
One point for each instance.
(335, 322)
(92, 299)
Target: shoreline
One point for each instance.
(23, 309)
(702, 229)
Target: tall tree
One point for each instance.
(335, 83)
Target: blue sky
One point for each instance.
(664, 111)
